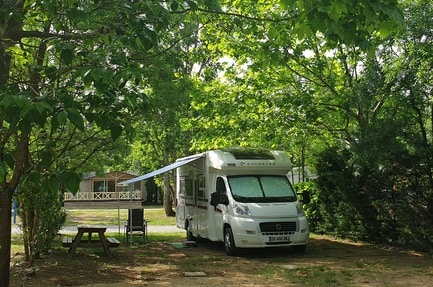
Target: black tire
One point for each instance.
(300, 249)
(189, 235)
(229, 242)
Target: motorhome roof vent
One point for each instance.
(251, 154)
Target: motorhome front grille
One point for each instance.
(277, 226)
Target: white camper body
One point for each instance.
(242, 199)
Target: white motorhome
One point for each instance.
(241, 197)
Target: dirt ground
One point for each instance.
(327, 262)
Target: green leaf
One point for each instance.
(103, 121)
(52, 184)
(71, 180)
(192, 5)
(33, 177)
(386, 28)
(40, 112)
(51, 73)
(67, 53)
(90, 117)
(212, 5)
(115, 131)
(3, 169)
(286, 3)
(76, 119)
(67, 99)
(9, 160)
(21, 100)
(59, 119)
(337, 8)
(87, 78)
(174, 6)
(45, 160)
(301, 30)
(76, 14)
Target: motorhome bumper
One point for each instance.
(248, 236)
(247, 241)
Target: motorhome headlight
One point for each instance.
(299, 209)
(241, 209)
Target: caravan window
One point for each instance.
(104, 186)
(257, 188)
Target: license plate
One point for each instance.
(279, 238)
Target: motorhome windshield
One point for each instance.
(259, 188)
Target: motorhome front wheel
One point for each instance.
(229, 242)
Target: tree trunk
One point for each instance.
(6, 193)
(25, 235)
(5, 238)
(7, 186)
(168, 199)
(29, 227)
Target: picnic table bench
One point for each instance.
(112, 242)
(101, 241)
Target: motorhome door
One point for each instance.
(220, 209)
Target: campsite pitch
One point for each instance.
(327, 262)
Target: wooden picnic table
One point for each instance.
(101, 241)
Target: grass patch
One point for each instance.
(158, 217)
(318, 276)
(155, 216)
(326, 263)
(198, 263)
(151, 237)
(272, 272)
(95, 216)
(17, 244)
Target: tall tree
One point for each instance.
(67, 62)
(40, 204)
(281, 54)
(86, 63)
(173, 81)
(409, 59)
(159, 136)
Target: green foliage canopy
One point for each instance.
(88, 68)
(68, 68)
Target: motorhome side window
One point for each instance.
(182, 186)
(201, 187)
(189, 186)
(220, 186)
(259, 188)
(185, 186)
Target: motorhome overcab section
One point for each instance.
(242, 198)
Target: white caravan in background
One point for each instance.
(241, 197)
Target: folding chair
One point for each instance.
(136, 225)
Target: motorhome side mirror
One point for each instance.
(217, 198)
(306, 197)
